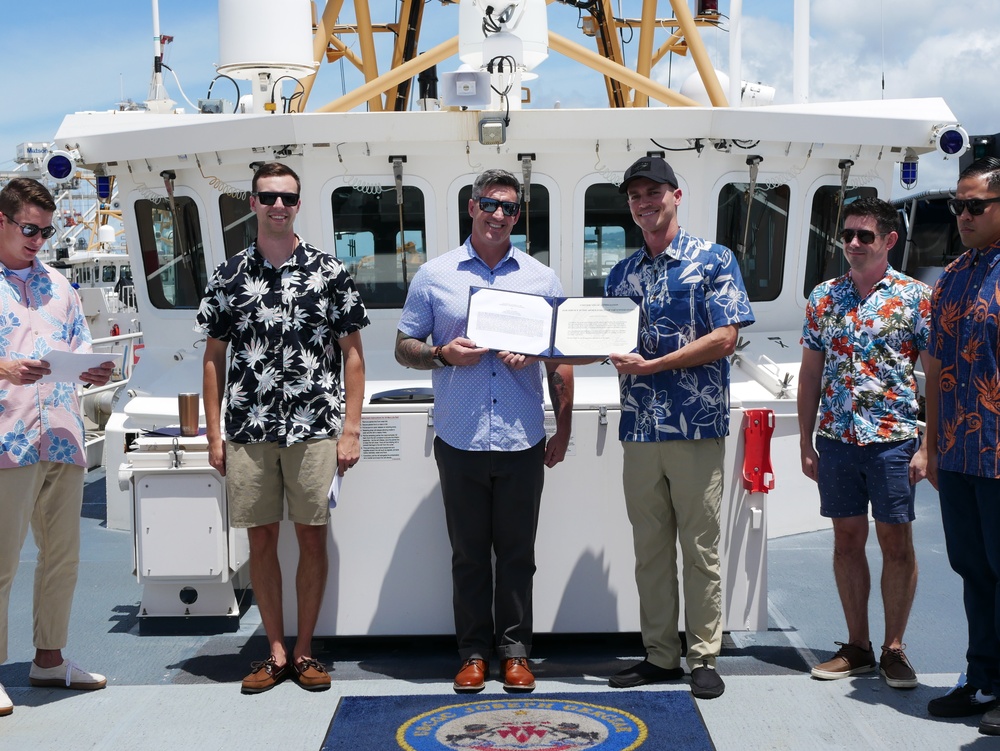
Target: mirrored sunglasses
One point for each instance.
(976, 206)
(489, 205)
(269, 199)
(30, 230)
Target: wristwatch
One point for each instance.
(440, 357)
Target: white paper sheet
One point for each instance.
(596, 326)
(511, 321)
(67, 366)
(334, 492)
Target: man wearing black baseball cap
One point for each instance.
(652, 168)
(674, 422)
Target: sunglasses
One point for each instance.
(30, 230)
(269, 199)
(865, 236)
(489, 205)
(976, 206)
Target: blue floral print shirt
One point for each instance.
(965, 337)
(688, 291)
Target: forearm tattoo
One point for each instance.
(414, 353)
(557, 391)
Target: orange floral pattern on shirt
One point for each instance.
(965, 337)
(869, 392)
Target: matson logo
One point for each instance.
(517, 724)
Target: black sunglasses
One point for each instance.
(30, 230)
(865, 236)
(976, 206)
(489, 205)
(269, 199)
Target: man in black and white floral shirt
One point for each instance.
(293, 316)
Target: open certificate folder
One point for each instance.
(552, 326)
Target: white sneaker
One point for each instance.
(6, 705)
(68, 675)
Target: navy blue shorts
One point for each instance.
(850, 476)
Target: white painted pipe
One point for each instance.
(800, 53)
(735, 52)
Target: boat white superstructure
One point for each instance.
(385, 189)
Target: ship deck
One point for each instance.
(181, 691)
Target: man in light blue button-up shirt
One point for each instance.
(490, 446)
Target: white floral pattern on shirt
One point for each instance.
(283, 324)
(688, 291)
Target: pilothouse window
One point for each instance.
(757, 232)
(609, 235)
(825, 254)
(381, 242)
(239, 223)
(173, 254)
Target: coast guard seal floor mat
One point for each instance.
(606, 721)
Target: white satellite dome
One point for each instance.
(694, 87)
(751, 94)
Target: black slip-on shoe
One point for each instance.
(962, 701)
(644, 673)
(706, 683)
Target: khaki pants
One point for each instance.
(673, 492)
(48, 496)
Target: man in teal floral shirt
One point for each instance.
(862, 335)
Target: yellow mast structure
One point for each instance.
(389, 90)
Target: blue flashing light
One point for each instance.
(59, 166)
(908, 174)
(103, 187)
(951, 141)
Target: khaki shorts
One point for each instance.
(261, 476)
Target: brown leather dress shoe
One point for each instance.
(517, 675)
(472, 676)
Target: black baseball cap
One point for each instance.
(652, 167)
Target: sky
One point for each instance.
(859, 49)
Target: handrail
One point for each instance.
(119, 338)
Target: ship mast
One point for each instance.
(634, 86)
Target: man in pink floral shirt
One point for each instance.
(42, 457)
(862, 335)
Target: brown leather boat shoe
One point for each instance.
(517, 675)
(311, 675)
(472, 676)
(264, 676)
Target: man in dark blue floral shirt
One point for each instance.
(674, 421)
(292, 316)
(963, 434)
